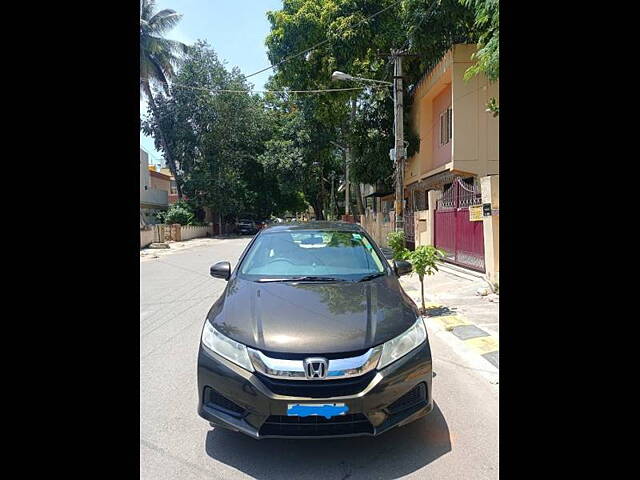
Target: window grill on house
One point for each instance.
(446, 126)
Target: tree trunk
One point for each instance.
(422, 291)
(317, 208)
(163, 141)
(359, 204)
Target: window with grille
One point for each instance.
(446, 126)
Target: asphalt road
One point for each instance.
(458, 440)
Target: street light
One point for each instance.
(345, 76)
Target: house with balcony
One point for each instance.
(459, 147)
(458, 137)
(154, 190)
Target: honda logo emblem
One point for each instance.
(315, 368)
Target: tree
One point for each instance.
(158, 59)
(423, 259)
(218, 138)
(303, 23)
(299, 151)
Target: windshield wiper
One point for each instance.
(308, 278)
(373, 275)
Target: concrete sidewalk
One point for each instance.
(458, 295)
(454, 306)
(147, 254)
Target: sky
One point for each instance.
(235, 29)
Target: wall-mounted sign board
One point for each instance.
(475, 213)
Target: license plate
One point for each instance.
(326, 410)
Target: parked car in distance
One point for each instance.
(313, 337)
(246, 227)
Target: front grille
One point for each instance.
(318, 388)
(316, 426)
(415, 396)
(216, 400)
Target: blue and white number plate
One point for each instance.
(326, 410)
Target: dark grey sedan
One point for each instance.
(313, 337)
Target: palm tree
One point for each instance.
(158, 58)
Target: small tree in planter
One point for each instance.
(424, 260)
(397, 244)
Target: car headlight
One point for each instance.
(401, 345)
(225, 347)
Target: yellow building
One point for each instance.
(448, 181)
(458, 137)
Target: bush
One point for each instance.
(160, 216)
(397, 244)
(179, 212)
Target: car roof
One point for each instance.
(314, 225)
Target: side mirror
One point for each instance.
(402, 267)
(221, 270)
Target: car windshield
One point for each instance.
(318, 254)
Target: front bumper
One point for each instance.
(258, 412)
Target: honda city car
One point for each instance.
(313, 337)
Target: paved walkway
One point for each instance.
(459, 295)
(452, 301)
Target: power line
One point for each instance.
(213, 90)
(223, 90)
(286, 59)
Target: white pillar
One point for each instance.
(490, 187)
(432, 197)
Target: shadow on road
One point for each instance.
(395, 453)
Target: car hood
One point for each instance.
(313, 318)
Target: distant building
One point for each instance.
(173, 189)
(154, 190)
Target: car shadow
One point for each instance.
(393, 454)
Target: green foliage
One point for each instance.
(423, 259)
(158, 55)
(180, 212)
(217, 139)
(326, 119)
(397, 243)
(487, 23)
(299, 152)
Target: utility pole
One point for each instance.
(347, 151)
(333, 198)
(399, 137)
(347, 156)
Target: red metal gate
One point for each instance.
(461, 239)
